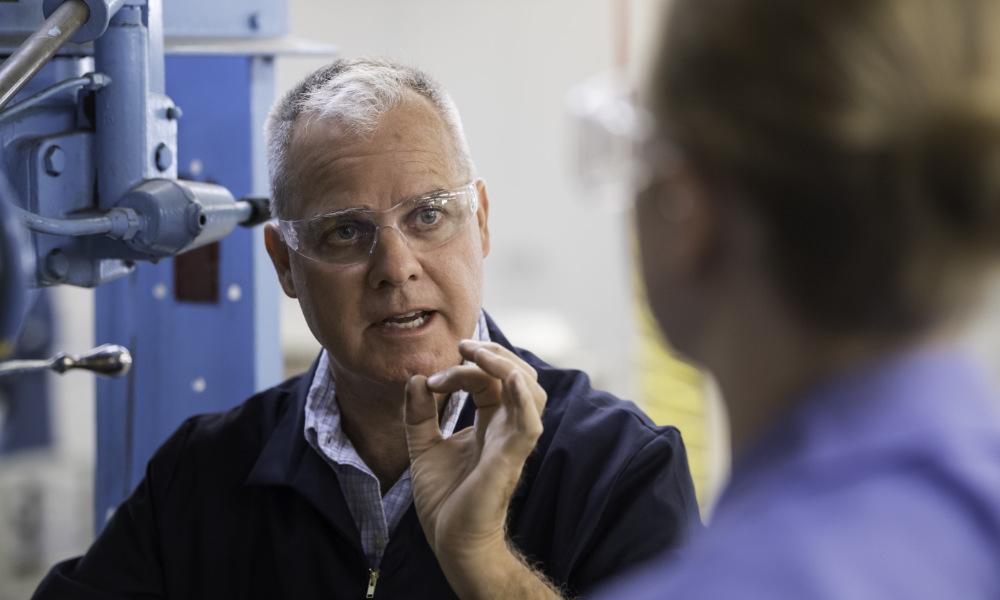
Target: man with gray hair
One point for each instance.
(422, 456)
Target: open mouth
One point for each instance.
(410, 320)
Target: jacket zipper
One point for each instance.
(372, 582)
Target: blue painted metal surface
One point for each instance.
(26, 423)
(225, 18)
(181, 18)
(20, 18)
(24, 399)
(192, 357)
(16, 264)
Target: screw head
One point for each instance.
(164, 157)
(55, 161)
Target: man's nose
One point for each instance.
(393, 262)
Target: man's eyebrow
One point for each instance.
(352, 210)
(368, 209)
(431, 194)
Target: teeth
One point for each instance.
(408, 321)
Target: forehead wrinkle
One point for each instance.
(332, 174)
(329, 169)
(307, 156)
(324, 154)
(366, 209)
(441, 168)
(324, 200)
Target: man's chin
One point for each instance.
(399, 372)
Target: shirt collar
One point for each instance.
(322, 427)
(285, 457)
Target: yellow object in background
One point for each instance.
(672, 392)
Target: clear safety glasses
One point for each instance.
(615, 153)
(349, 236)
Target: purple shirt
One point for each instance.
(881, 484)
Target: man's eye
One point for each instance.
(344, 233)
(428, 216)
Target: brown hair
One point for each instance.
(865, 134)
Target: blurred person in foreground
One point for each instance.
(514, 479)
(824, 214)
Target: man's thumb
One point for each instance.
(422, 430)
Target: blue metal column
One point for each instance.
(193, 357)
(123, 53)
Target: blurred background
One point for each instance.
(561, 279)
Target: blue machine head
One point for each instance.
(16, 267)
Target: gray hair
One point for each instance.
(356, 93)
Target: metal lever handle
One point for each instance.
(40, 47)
(110, 360)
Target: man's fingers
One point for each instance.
(493, 363)
(505, 454)
(470, 378)
(503, 368)
(421, 416)
(468, 348)
(528, 415)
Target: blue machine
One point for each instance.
(16, 265)
(131, 132)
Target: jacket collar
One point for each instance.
(282, 454)
(287, 460)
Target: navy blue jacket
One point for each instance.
(238, 505)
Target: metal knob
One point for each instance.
(110, 360)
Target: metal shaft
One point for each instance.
(23, 367)
(32, 55)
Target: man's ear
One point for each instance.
(483, 216)
(278, 251)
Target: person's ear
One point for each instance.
(688, 209)
(483, 216)
(278, 251)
